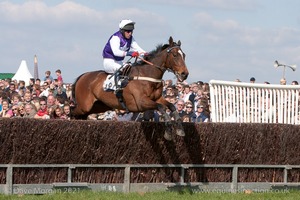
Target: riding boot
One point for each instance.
(117, 79)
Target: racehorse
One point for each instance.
(143, 91)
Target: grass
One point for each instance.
(88, 195)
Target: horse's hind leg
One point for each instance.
(82, 117)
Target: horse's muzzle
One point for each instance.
(183, 76)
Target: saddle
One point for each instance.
(124, 75)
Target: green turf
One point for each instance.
(185, 195)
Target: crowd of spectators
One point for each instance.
(51, 98)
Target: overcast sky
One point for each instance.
(222, 39)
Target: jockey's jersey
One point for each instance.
(118, 54)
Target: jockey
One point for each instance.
(119, 45)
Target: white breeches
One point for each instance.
(110, 65)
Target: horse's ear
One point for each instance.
(171, 41)
(179, 43)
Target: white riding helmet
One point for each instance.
(126, 25)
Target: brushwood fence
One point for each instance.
(134, 156)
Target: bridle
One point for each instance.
(163, 68)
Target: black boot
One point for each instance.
(117, 79)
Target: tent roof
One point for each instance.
(23, 73)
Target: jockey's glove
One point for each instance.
(132, 53)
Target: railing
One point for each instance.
(254, 103)
(234, 186)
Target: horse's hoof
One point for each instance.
(180, 132)
(168, 136)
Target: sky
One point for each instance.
(222, 39)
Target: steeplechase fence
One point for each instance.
(240, 102)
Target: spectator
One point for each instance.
(31, 83)
(2, 86)
(186, 93)
(15, 111)
(67, 111)
(45, 91)
(69, 91)
(252, 80)
(42, 113)
(171, 98)
(27, 97)
(198, 98)
(36, 102)
(61, 85)
(16, 99)
(186, 118)
(180, 107)
(205, 89)
(11, 91)
(195, 88)
(295, 83)
(169, 91)
(38, 81)
(30, 110)
(166, 83)
(48, 76)
(60, 101)
(22, 110)
(60, 93)
(6, 84)
(6, 111)
(200, 115)
(51, 100)
(58, 113)
(282, 81)
(59, 76)
(180, 87)
(36, 89)
(189, 109)
(21, 86)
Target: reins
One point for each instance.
(150, 63)
(163, 69)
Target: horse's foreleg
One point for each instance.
(178, 123)
(168, 123)
(177, 119)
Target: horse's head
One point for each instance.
(175, 60)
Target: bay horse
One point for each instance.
(143, 91)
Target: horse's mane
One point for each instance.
(152, 54)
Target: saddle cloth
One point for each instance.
(109, 83)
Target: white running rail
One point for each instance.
(254, 103)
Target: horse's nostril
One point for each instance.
(184, 75)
